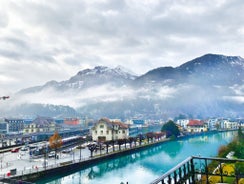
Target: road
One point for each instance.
(22, 161)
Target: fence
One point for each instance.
(196, 170)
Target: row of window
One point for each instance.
(114, 126)
(107, 132)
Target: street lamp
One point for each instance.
(80, 147)
(45, 156)
(2, 155)
(113, 136)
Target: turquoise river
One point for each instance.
(146, 165)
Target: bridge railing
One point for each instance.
(198, 169)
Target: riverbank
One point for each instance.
(71, 166)
(78, 164)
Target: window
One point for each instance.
(95, 132)
(101, 131)
(107, 132)
(123, 131)
(101, 126)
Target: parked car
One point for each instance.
(15, 150)
(24, 148)
(67, 150)
(51, 154)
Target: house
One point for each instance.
(14, 125)
(41, 124)
(196, 126)
(182, 123)
(212, 123)
(228, 124)
(107, 130)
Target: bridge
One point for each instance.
(196, 170)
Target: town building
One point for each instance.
(196, 126)
(213, 123)
(228, 124)
(71, 121)
(3, 126)
(13, 125)
(138, 122)
(41, 124)
(182, 123)
(107, 130)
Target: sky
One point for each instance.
(43, 40)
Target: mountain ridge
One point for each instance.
(163, 91)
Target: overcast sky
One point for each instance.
(47, 40)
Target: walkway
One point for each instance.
(21, 164)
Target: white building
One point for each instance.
(106, 130)
(196, 126)
(213, 123)
(227, 124)
(183, 123)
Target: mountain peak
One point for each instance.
(210, 60)
(219, 57)
(119, 71)
(95, 70)
(125, 70)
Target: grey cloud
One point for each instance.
(140, 34)
(14, 48)
(16, 42)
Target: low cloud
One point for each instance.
(234, 99)
(97, 94)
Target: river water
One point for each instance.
(146, 165)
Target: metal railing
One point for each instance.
(13, 181)
(196, 170)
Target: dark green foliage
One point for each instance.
(171, 129)
(237, 145)
(239, 168)
(240, 135)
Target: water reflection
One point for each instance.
(146, 165)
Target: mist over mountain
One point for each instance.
(210, 85)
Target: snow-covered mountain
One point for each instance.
(210, 85)
(208, 69)
(100, 75)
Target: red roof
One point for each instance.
(195, 123)
(122, 125)
(119, 123)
